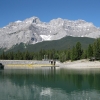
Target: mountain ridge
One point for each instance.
(32, 31)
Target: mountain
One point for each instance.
(61, 44)
(32, 31)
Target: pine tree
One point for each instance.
(97, 49)
(78, 51)
(3, 55)
(56, 56)
(62, 57)
(73, 54)
(84, 54)
(90, 51)
(68, 54)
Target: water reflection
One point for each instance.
(48, 84)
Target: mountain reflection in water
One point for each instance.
(50, 84)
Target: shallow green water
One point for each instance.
(50, 84)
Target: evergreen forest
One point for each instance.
(74, 53)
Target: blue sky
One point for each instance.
(46, 10)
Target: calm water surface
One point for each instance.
(50, 84)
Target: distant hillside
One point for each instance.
(64, 43)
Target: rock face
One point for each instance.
(32, 30)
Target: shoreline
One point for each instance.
(82, 64)
(31, 64)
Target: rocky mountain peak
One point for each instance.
(31, 20)
(32, 30)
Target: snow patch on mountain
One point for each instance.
(18, 21)
(46, 37)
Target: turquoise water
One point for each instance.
(50, 84)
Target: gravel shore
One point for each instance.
(81, 64)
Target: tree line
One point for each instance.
(74, 53)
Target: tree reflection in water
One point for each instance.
(47, 83)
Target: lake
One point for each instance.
(49, 84)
